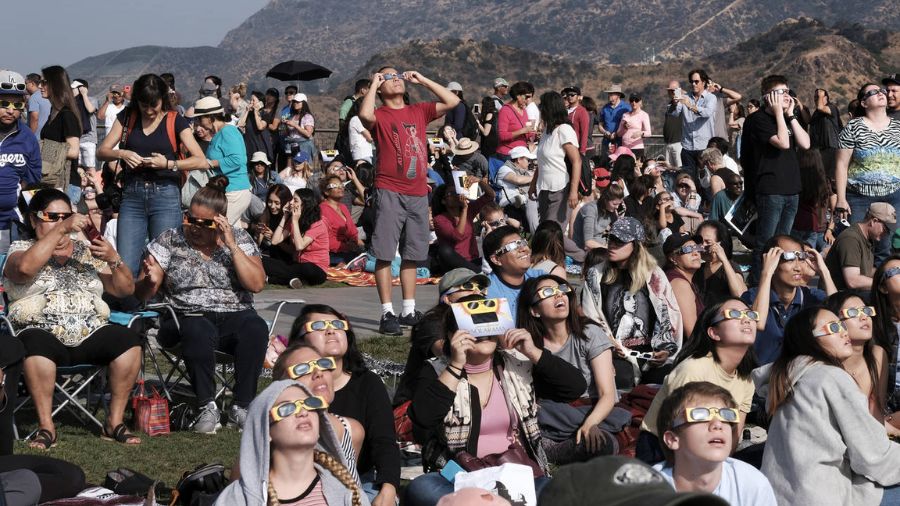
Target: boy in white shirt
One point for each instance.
(698, 425)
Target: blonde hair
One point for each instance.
(333, 466)
(640, 264)
(240, 89)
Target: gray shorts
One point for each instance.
(396, 214)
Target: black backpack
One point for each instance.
(470, 128)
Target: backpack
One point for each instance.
(470, 128)
(170, 132)
(342, 141)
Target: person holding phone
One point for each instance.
(151, 161)
(513, 126)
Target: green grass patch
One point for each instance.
(395, 348)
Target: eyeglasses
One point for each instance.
(688, 249)
(790, 256)
(735, 314)
(685, 185)
(551, 291)
(643, 355)
(391, 77)
(288, 408)
(326, 324)
(782, 91)
(303, 368)
(496, 223)
(199, 222)
(666, 199)
(512, 246)
(6, 104)
(830, 328)
(332, 186)
(12, 86)
(873, 92)
(470, 286)
(50, 217)
(698, 414)
(115, 94)
(856, 312)
(42, 83)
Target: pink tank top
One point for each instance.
(496, 427)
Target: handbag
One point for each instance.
(151, 413)
(200, 486)
(54, 165)
(402, 423)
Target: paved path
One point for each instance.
(360, 304)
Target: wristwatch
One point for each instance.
(790, 118)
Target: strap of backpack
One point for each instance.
(173, 135)
(126, 129)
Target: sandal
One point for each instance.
(43, 439)
(120, 435)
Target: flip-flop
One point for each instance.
(120, 435)
(43, 439)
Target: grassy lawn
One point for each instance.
(166, 457)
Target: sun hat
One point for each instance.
(465, 146)
(454, 86)
(206, 106)
(616, 88)
(260, 157)
(78, 83)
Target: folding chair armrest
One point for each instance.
(162, 307)
(278, 311)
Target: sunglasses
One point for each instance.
(643, 355)
(871, 93)
(199, 222)
(551, 291)
(790, 256)
(317, 325)
(288, 408)
(696, 81)
(391, 77)
(856, 312)
(333, 186)
(685, 185)
(782, 91)
(570, 95)
(49, 217)
(688, 249)
(12, 86)
(303, 368)
(893, 271)
(830, 328)
(470, 286)
(735, 314)
(6, 104)
(496, 223)
(479, 304)
(666, 199)
(528, 96)
(695, 415)
(513, 246)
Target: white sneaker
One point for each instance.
(296, 284)
(209, 420)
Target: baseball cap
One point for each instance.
(208, 88)
(11, 83)
(627, 229)
(676, 241)
(571, 89)
(884, 212)
(454, 86)
(602, 177)
(634, 97)
(620, 481)
(301, 156)
(891, 79)
(460, 276)
(77, 83)
(300, 97)
(520, 151)
(115, 88)
(500, 82)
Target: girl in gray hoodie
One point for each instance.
(292, 451)
(824, 447)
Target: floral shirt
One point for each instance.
(65, 300)
(193, 284)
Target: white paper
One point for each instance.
(481, 318)
(459, 181)
(513, 482)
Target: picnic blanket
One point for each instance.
(363, 278)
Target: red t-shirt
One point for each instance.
(342, 233)
(317, 251)
(402, 165)
(581, 122)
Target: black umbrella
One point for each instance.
(294, 70)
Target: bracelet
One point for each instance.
(114, 265)
(458, 375)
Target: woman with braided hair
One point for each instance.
(289, 454)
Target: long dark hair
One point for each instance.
(883, 331)
(304, 109)
(799, 341)
(59, 91)
(553, 111)
(722, 235)
(149, 89)
(284, 195)
(834, 303)
(534, 324)
(309, 211)
(700, 344)
(437, 199)
(548, 242)
(488, 106)
(814, 187)
(352, 359)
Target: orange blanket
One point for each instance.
(367, 278)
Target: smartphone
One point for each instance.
(476, 108)
(91, 232)
(678, 94)
(450, 470)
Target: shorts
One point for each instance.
(396, 215)
(100, 348)
(87, 155)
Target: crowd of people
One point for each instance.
(627, 274)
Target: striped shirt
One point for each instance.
(874, 169)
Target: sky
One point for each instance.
(70, 30)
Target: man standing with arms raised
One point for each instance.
(401, 189)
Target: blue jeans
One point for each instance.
(775, 216)
(815, 240)
(148, 209)
(427, 490)
(859, 204)
(891, 496)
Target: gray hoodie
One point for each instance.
(823, 445)
(252, 488)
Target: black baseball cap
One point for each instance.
(891, 79)
(571, 89)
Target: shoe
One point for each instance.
(208, 422)
(296, 284)
(389, 325)
(237, 416)
(411, 319)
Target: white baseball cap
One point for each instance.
(520, 151)
(300, 97)
(11, 83)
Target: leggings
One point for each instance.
(281, 272)
(450, 259)
(58, 479)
